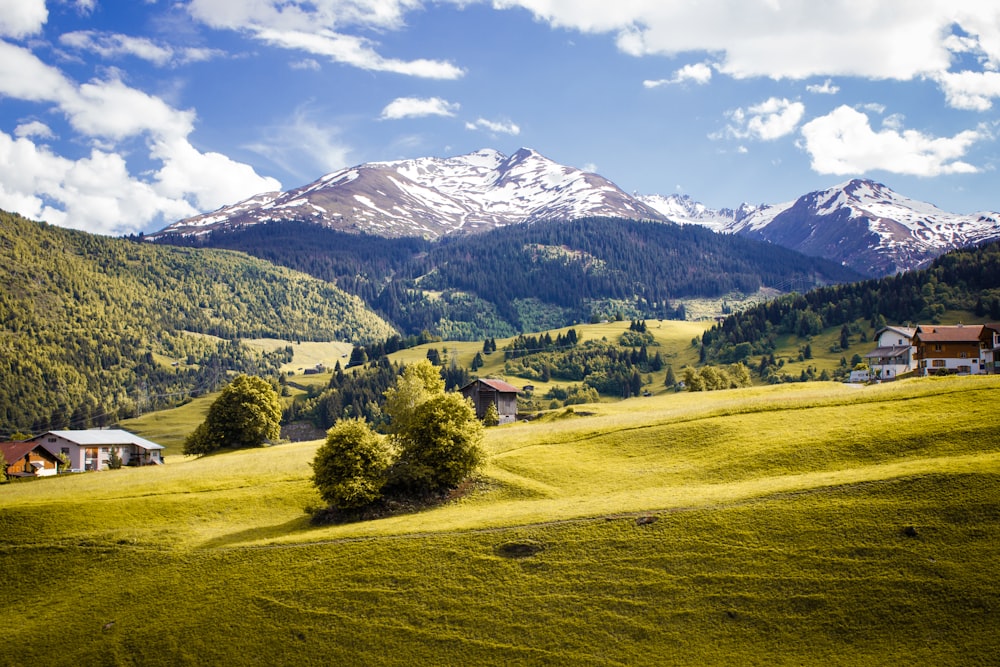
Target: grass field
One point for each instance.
(796, 524)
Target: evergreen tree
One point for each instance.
(670, 380)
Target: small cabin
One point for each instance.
(486, 392)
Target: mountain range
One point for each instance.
(860, 223)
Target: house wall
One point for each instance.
(55, 445)
(891, 338)
(950, 357)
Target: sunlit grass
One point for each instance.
(796, 524)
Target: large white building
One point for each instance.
(91, 449)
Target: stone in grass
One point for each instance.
(910, 531)
(645, 520)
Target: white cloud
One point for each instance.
(769, 120)
(21, 18)
(113, 45)
(700, 73)
(304, 146)
(320, 27)
(590, 168)
(98, 192)
(796, 39)
(414, 107)
(307, 63)
(498, 127)
(34, 128)
(826, 88)
(970, 90)
(843, 142)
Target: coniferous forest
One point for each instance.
(967, 280)
(94, 329)
(534, 276)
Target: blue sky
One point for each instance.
(120, 117)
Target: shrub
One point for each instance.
(349, 468)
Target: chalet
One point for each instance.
(28, 459)
(951, 349)
(91, 449)
(894, 355)
(485, 392)
(991, 347)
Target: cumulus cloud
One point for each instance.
(970, 90)
(797, 39)
(498, 127)
(700, 73)
(769, 120)
(322, 28)
(843, 142)
(99, 192)
(415, 107)
(34, 128)
(21, 18)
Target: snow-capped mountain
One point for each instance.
(686, 211)
(432, 197)
(867, 226)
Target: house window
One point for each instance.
(52, 438)
(963, 355)
(937, 363)
(65, 450)
(104, 450)
(937, 347)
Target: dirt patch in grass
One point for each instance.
(519, 549)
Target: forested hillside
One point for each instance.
(532, 277)
(965, 280)
(93, 329)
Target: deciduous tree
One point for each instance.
(246, 414)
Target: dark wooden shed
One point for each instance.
(484, 392)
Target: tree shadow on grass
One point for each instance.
(299, 525)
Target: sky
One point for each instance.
(123, 117)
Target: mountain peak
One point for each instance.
(433, 197)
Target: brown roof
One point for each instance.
(960, 333)
(13, 451)
(499, 385)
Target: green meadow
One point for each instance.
(792, 524)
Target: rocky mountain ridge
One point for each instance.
(859, 223)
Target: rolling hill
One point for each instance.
(797, 524)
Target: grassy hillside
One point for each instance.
(94, 328)
(791, 524)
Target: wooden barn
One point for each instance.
(485, 392)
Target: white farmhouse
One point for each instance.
(894, 355)
(91, 449)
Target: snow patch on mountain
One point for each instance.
(432, 197)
